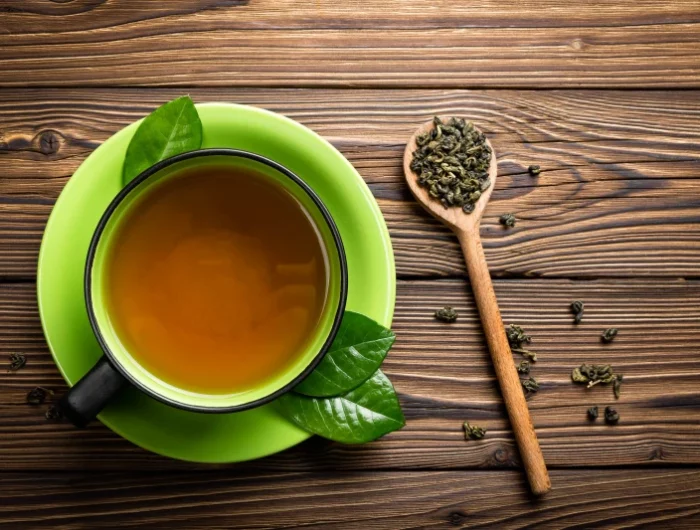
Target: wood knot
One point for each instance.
(49, 142)
(501, 455)
(657, 454)
(577, 44)
(456, 518)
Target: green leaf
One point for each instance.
(171, 129)
(362, 415)
(356, 353)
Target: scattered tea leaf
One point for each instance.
(579, 377)
(611, 416)
(593, 413)
(171, 129)
(617, 385)
(517, 336)
(577, 310)
(54, 412)
(507, 220)
(534, 170)
(523, 367)
(593, 374)
(358, 350)
(527, 353)
(452, 162)
(17, 361)
(38, 395)
(608, 335)
(473, 432)
(362, 415)
(530, 385)
(446, 314)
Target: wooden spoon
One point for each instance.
(466, 228)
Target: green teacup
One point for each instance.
(120, 366)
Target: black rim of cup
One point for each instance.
(328, 219)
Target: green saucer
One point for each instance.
(197, 437)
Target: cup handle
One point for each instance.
(90, 395)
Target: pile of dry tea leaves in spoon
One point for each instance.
(452, 162)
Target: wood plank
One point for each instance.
(325, 43)
(618, 195)
(443, 375)
(381, 500)
(37, 16)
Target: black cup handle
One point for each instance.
(90, 395)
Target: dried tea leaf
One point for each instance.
(517, 336)
(617, 384)
(527, 353)
(446, 314)
(452, 162)
(594, 374)
(530, 385)
(608, 335)
(593, 413)
(611, 416)
(523, 367)
(38, 395)
(473, 432)
(578, 377)
(606, 379)
(54, 412)
(507, 220)
(17, 361)
(577, 310)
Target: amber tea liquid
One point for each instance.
(216, 280)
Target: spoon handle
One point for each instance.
(502, 359)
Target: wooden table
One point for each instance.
(605, 96)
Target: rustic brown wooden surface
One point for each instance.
(329, 43)
(619, 175)
(614, 219)
(380, 500)
(444, 377)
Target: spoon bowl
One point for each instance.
(453, 217)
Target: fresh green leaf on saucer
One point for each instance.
(171, 129)
(362, 415)
(358, 350)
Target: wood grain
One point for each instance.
(37, 16)
(619, 175)
(382, 500)
(443, 375)
(618, 198)
(326, 43)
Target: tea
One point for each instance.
(216, 279)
